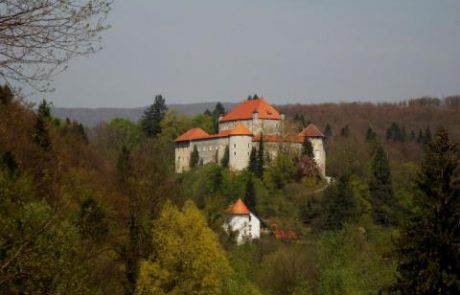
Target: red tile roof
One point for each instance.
(239, 208)
(194, 133)
(244, 111)
(240, 129)
(311, 131)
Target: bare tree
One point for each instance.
(39, 37)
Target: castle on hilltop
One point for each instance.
(241, 130)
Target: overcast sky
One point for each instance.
(288, 51)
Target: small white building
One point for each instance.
(241, 221)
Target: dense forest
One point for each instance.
(101, 211)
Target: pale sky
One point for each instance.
(287, 51)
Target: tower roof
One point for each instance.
(194, 133)
(311, 131)
(240, 129)
(239, 208)
(244, 111)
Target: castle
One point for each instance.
(241, 130)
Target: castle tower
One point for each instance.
(240, 145)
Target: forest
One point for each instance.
(100, 210)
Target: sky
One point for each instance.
(291, 51)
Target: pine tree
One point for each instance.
(124, 168)
(6, 95)
(307, 148)
(250, 195)
(40, 134)
(252, 167)
(92, 223)
(340, 206)
(345, 131)
(428, 136)
(370, 134)
(328, 130)
(194, 157)
(428, 248)
(255, 96)
(44, 109)
(226, 158)
(260, 158)
(381, 188)
(9, 163)
(151, 121)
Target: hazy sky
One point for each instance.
(288, 51)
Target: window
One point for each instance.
(234, 153)
(234, 145)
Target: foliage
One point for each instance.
(226, 158)
(307, 148)
(194, 157)
(339, 205)
(186, 259)
(260, 161)
(153, 115)
(253, 163)
(249, 195)
(381, 188)
(280, 172)
(428, 247)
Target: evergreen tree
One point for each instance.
(420, 137)
(9, 163)
(249, 97)
(381, 188)
(253, 165)
(194, 157)
(226, 157)
(428, 248)
(428, 136)
(340, 206)
(92, 223)
(345, 131)
(40, 134)
(260, 158)
(44, 109)
(250, 195)
(151, 121)
(412, 136)
(254, 97)
(307, 148)
(6, 95)
(328, 130)
(370, 134)
(218, 111)
(124, 168)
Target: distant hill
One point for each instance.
(93, 116)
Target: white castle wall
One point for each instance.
(240, 149)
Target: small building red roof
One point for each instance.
(239, 208)
(240, 129)
(194, 133)
(311, 131)
(244, 111)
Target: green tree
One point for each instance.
(252, 166)
(92, 223)
(6, 95)
(345, 131)
(250, 195)
(153, 115)
(381, 188)
(307, 148)
(40, 134)
(226, 157)
(187, 257)
(9, 163)
(44, 109)
(260, 158)
(428, 248)
(370, 134)
(194, 157)
(328, 130)
(339, 204)
(280, 172)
